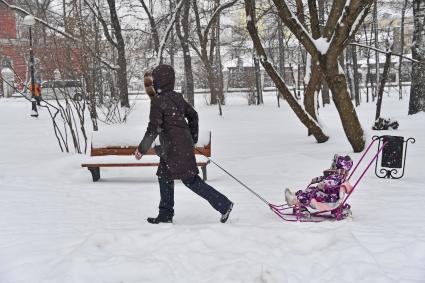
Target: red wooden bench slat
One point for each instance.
(129, 150)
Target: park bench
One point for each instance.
(116, 155)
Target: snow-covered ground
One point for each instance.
(56, 225)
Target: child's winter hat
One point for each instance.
(343, 162)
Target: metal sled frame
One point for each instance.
(300, 213)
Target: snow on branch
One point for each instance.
(294, 25)
(352, 16)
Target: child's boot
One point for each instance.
(290, 198)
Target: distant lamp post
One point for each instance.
(30, 21)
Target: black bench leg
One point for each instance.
(204, 172)
(95, 173)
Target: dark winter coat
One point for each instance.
(167, 118)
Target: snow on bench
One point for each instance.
(115, 148)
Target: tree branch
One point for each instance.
(102, 21)
(384, 52)
(213, 18)
(353, 14)
(294, 25)
(153, 25)
(167, 32)
(314, 19)
(334, 15)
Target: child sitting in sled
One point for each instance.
(325, 192)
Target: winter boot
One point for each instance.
(160, 219)
(290, 198)
(225, 215)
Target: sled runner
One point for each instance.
(326, 211)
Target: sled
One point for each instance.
(327, 211)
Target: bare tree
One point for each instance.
(304, 117)
(214, 76)
(345, 17)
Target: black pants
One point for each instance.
(217, 200)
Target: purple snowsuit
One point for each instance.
(326, 188)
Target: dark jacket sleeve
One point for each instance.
(192, 119)
(154, 126)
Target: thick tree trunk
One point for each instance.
(417, 90)
(310, 92)
(350, 122)
(312, 87)
(214, 85)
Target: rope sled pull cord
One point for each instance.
(236, 179)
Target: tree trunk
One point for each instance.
(348, 71)
(376, 25)
(368, 66)
(417, 90)
(356, 75)
(310, 91)
(400, 60)
(217, 60)
(184, 39)
(172, 40)
(326, 99)
(122, 63)
(382, 85)
(214, 85)
(350, 122)
(257, 71)
(281, 53)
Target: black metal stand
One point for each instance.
(393, 157)
(95, 173)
